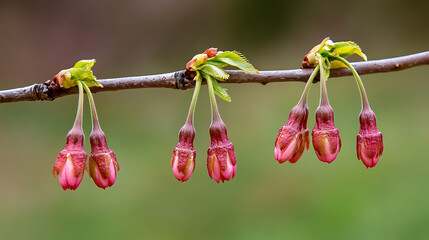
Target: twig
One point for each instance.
(177, 80)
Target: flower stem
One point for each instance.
(304, 95)
(79, 116)
(364, 98)
(190, 118)
(215, 110)
(95, 124)
(323, 90)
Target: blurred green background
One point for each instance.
(306, 200)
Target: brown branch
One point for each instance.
(177, 80)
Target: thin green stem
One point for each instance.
(364, 98)
(79, 115)
(194, 101)
(304, 95)
(95, 124)
(323, 90)
(215, 110)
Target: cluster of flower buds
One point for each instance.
(221, 160)
(71, 161)
(293, 136)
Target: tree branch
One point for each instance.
(177, 80)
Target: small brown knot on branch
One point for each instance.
(43, 91)
(47, 91)
(184, 79)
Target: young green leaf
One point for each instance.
(85, 63)
(91, 82)
(220, 91)
(216, 62)
(213, 71)
(345, 49)
(235, 59)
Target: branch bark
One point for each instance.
(177, 80)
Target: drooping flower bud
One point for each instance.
(293, 137)
(183, 160)
(70, 163)
(369, 145)
(102, 160)
(326, 137)
(221, 160)
(196, 61)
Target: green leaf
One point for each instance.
(345, 49)
(91, 82)
(220, 91)
(216, 62)
(213, 71)
(235, 59)
(85, 63)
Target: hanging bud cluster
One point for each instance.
(221, 160)
(71, 161)
(293, 137)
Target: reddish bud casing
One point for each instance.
(293, 137)
(71, 161)
(326, 137)
(211, 52)
(102, 161)
(183, 160)
(369, 144)
(196, 61)
(221, 160)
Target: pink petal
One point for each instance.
(226, 175)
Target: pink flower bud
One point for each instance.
(369, 145)
(326, 137)
(293, 136)
(183, 160)
(70, 163)
(102, 160)
(221, 160)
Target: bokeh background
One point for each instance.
(306, 200)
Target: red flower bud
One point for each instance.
(293, 136)
(369, 144)
(102, 160)
(221, 160)
(183, 160)
(211, 52)
(70, 163)
(326, 137)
